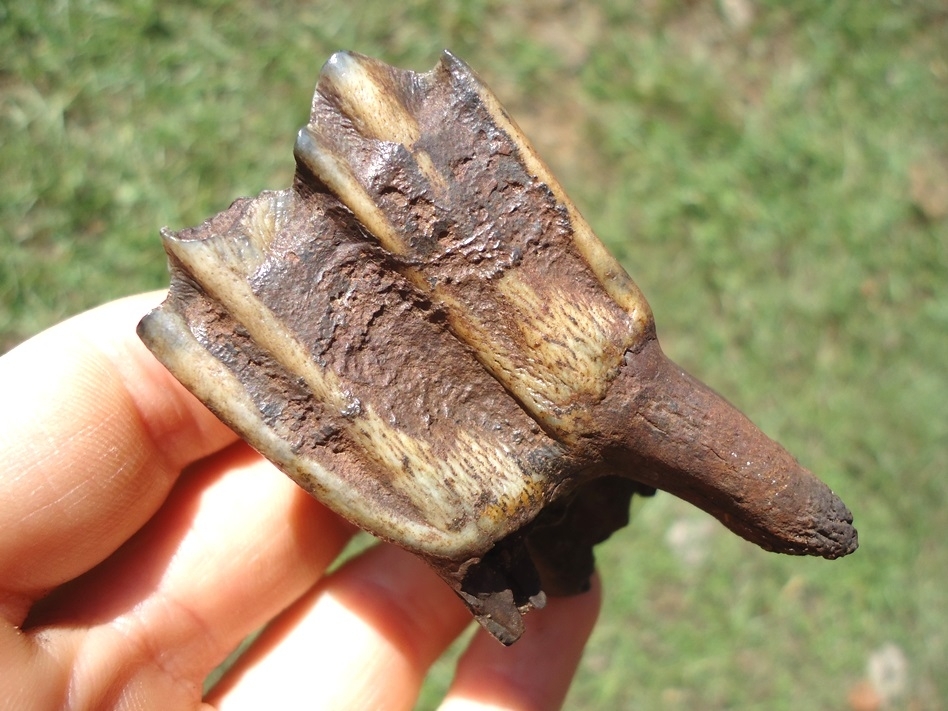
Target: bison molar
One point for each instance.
(425, 334)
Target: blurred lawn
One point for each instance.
(775, 178)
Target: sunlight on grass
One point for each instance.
(774, 177)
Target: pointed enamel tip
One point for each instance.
(454, 63)
(340, 63)
(339, 73)
(370, 95)
(683, 438)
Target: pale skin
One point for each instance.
(140, 542)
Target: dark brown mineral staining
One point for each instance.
(425, 334)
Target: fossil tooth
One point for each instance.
(425, 334)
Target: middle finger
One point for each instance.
(364, 638)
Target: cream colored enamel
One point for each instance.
(262, 222)
(608, 271)
(373, 108)
(563, 353)
(450, 481)
(169, 338)
(219, 269)
(445, 486)
(435, 179)
(337, 176)
(571, 344)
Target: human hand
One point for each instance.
(140, 543)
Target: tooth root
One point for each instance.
(683, 438)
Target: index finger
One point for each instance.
(93, 434)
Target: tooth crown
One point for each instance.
(439, 174)
(425, 334)
(342, 373)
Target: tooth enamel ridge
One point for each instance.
(425, 334)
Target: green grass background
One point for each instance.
(773, 175)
